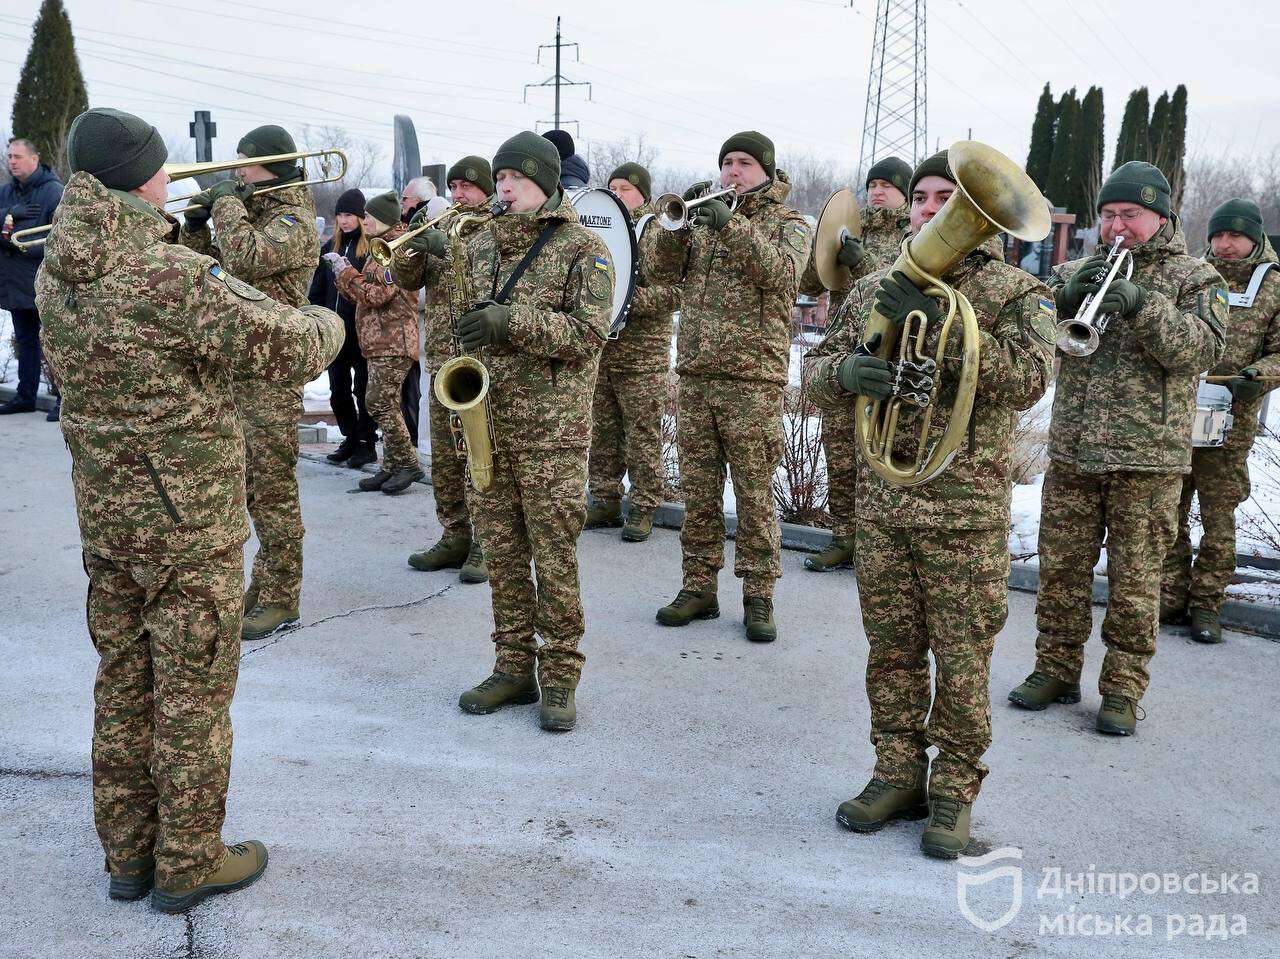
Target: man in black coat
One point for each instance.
(573, 169)
(27, 200)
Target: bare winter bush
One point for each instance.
(670, 455)
(800, 484)
(365, 159)
(1259, 527)
(1212, 181)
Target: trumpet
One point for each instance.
(383, 252)
(35, 235)
(673, 209)
(1079, 336)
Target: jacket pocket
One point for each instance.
(160, 490)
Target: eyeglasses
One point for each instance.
(1127, 216)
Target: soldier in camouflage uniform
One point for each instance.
(387, 327)
(1219, 477)
(1119, 442)
(145, 338)
(631, 391)
(933, 560)
(470, 186)
(270, 242)
(884, 224)
(739, 270)
(544, 286)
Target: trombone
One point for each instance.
(383, 252)
(673, 209)
(35, 235)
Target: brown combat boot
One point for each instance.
(603, 515)
(1040, 690)
(244, 865)
(499, 690)
(879, 804)
(947, 834)
(839, 555)
(558, 712)
(1205, 626)
(688, 606)
(449, 553)
(475, 569)
(1118, 715)
(757, 617)
(639, 526)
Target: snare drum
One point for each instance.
(1213, 417)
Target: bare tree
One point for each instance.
(366, 163)
(1211, 181)
(605, 156)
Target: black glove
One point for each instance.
(432, 242)
(898, 296)
(484, 326)
(1080, 284)
(241, 191)
(1123, 297)
(695, 191)
(867, 374)
(1246, 387)
(198, 216)
(713, 214)
(852, 253)
(7, 247)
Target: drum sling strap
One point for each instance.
(1246, 298)
(510, 285)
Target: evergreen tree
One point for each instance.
(1134, 143)
(1061, 181)
(1158, 128)
(1089, 156)
(1171, 153)
(1041, 153)
(51, 91)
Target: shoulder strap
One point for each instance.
(1246, 298)
(523, 265)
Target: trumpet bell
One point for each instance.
(1077, 339)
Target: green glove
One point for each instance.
(198, 216)
(1080, 284)
(432, 242)
(695, 191)
(713, 214)
(241, 191)
(866, 374)
(1123, 297)
(484, 326)
(1246, 387)
(852, 253)
(898, 296)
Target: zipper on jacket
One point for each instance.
(160, 490)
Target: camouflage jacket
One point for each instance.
(644, 345)
(1129, 405)
(1253, 335)
(541, 380)
(144, 338)
(737, 287)
(883, 231)
(1016, 322)
(386, 315)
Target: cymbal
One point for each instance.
(840, 218)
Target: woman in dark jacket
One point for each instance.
(348, 373)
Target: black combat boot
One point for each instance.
(345, 449)
(365, 454)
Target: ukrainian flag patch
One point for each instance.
(1046, 305)
(291, 220)
(1220, 296)
(602, 264)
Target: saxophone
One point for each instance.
(462, 384)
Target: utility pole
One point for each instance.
(896, 119)
(557, 80)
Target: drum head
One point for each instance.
(603, 213)
(840, 218)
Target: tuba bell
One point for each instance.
(993, 195)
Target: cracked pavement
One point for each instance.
(690, 814)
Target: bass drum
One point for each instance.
(603, 213)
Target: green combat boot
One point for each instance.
(371, 484)
(757, 617)
(1171, 615)
(262, 621)
(948, 831)
(1039, 690)
(1205, 627)
(1118, 715)
(688, 606)
(603, 515)
(879, 804)
(558, 711)
(839, 555)
(401, 480)
(450, 553)
(250, 597)
(475, 569)
(500, 689)
(132, 880)
(244, 865)
(639, 526)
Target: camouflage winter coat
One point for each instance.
(541, 380)
(144, 338)
(1016, 320)
(883, 231)
(1253, 335)
(737, 287)
(644, 345)
(1129, 405)
(386, 315)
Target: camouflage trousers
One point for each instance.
(626, 437)
(1219, 478)
(533, 514)
(733, 424)
(168, 642)
(840, 448)
(269, 416)
(386, 379)
(1136, 513)
(448, 473)
(939, 591)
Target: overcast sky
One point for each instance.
(683, 73)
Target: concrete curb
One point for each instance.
(1024, 577)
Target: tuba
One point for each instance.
(993, 195)
(462, 383)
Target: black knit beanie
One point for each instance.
(121, 150)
